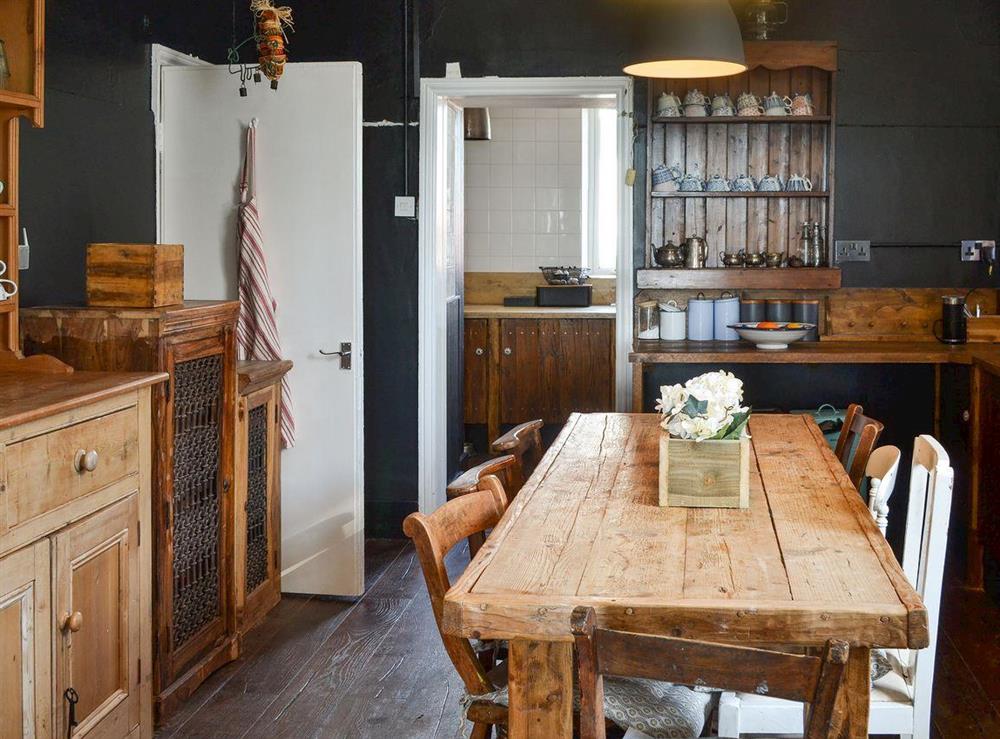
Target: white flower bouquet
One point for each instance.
(707, 407)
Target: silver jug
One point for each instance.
(695, 252)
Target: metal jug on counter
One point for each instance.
(953, 322)
(695, 252)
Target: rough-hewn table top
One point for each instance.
(804, 563)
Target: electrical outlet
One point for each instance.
(972, 250)
(853, 251)
(406, 206)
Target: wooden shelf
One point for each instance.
(746, 119)
(11, 99)
(7, 306)
(759, 278)
(7, 210)
(740, 194)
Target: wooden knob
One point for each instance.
(72, 622)
(85, 461)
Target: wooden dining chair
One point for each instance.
(472, 480)
(856, 441)
(603, 652)
(901, 695)
(525, 443)
(881, 471)
(434, 536)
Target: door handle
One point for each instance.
(344, 354)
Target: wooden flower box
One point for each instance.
(704, 474)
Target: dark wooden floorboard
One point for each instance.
(375, 668)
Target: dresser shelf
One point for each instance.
(739, 278)
(744, 119)
(741, 194)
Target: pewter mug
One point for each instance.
(695, 252)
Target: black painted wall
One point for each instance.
(918, 151)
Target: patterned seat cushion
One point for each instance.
(657, 709)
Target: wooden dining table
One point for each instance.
(802, 564)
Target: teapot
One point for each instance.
(696, 104)
(748, 105)
(695, 252)
(668, 105)
(770, 183)
(731, 259)
(722, 105)
(744, 183)
(775, 104)
(717, 183)
(802, 104)
(799, 183)
(665, 178)
(691, 183)
(669, 255)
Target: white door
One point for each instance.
(309, 196)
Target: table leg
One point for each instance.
(540, 678)
(857, 693)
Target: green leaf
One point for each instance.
(735, 429)
(695, 407)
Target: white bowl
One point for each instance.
(772, 339)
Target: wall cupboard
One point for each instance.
(75, 585)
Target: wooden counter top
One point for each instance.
(821, 352)
(532, 311)
(28, 396)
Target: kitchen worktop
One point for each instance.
(817, 352)
(532, 311)
(27, 396)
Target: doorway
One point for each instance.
(586, 106)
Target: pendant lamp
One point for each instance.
(477, 124)
(686, 39)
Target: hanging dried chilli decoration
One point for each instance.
(271, 39)
(270, 24)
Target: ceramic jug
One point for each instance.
(673, 322)
(799, 183)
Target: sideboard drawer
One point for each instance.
(55, 468)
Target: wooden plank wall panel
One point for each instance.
(736, 208)
(715, 210)
(674, 213)
(777, 208)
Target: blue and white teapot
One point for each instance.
(744, 183)
(770, 183)
(691, 183)
(718, 183)
(665, 179)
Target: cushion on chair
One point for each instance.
(657, 709)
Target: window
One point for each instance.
(600, 190)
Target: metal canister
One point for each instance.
(752, 310)
(727, 311)
(673, 322)
(807, 311)
(778, 310)
(701, 318)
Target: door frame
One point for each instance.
(435, 95)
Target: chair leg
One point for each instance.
(481, 731)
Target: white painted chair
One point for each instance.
(883, 465)
(900, 701)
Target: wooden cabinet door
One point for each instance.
(25, 643)
(96, 608)
(984, 520)
(256, 529)
(193, 579)
(477, 369)
(586, 366)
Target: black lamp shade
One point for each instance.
(686, 39)
(477, 124)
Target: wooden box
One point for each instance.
(704, 474)
(984, 329)
(135, 275)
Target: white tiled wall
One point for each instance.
(522, 191)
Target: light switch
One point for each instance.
(406, 206)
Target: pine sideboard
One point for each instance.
(75, 552)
